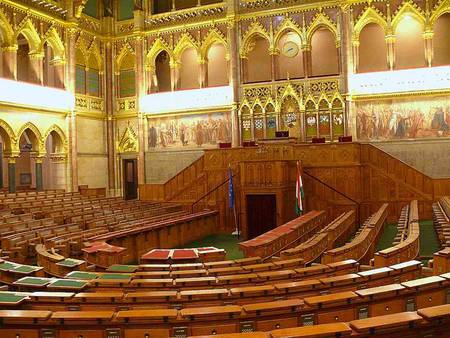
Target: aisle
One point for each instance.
(222, 241)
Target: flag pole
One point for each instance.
(232, 201)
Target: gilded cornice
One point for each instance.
(32, 12)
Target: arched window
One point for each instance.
(289, 116)
(409, 44)
(162, 69)
(93, 77)
(217, 65)
(271, 121)
(80, 72)
(258, 63)
(246, 124)
(23, 59)
(311, 120)
(189, 71)
(441, 45)
(324, 55)
(372, 49)
(127, 76)
(290, 60)
(258, 122)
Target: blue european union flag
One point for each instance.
(230, 189)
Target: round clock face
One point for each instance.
(290, 49)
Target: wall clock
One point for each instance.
(290, 49)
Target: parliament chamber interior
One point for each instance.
(228, 168)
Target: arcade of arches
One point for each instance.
(160, 81)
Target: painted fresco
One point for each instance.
(402, 119)
(188, 132)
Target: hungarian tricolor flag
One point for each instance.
(299, 193)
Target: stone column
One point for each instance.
(307, 63)
(273, 64)
(174, 75)
(203, 75)
(109, 93)
(390, 42)
(428, 42)
(233, 38)
(9, 55)
(72, 117)
(140, 91)
(39, 183)
(355, 45)
(36, 70)
(12, 174)
(59, 67)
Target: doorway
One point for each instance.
(261, 214)
(130, 185)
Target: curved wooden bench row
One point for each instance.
(285, 236)
(56, 264)
(427, 322)
(333, 233)
(362, 246)
(89, 298)
(265, 316)
(441, 220)
(174, 232)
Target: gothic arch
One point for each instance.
(27, 29)
(442, 8)
(54, 40)
(288, 25)
(95, 51)
(186, 41)
(413, 11)
(158, 46)
(57, 129)
(37, 134)
(370, 15)
(322, 21)
(125, 51)
(213, 37)
(8, 136)
(255, 29)
(6, 31)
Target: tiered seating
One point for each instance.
(363, 244)
(408, 247)
(325, 239)
(441, 220)
(285, 236)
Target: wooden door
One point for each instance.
(130, 184)
(261, 214)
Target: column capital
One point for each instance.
(13, 48)
(12, 159)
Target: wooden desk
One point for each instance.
(380, 291)
(200, 281)
(435, 312)
(423, 283)
(252, 290)
(154, 314)
(279, 274)
(333, 299)
(235, 279)
(23, 316)
(371, 325)
(146, 296)
(292, 304)
(204, 294)
(305, 285)
(214, 311)
(152, 282)
(98, 316)
(316, 331)
(109, 296)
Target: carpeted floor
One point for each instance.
(429, 242)
(222, 241)
(387, 237)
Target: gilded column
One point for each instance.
(233, 39)
(12, 174)
(140, 91)
(72, 117)
(174, 75)
(36, 68)
(9, 55)
(39, 183)
(390, 40)
(59, 67)
(109, 95)
(428, 41)
(203, 75)
(273, 64)
(307, 64)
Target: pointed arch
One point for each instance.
(124, 52)
(214, 36)
(8, 136)
(6, 31)
(288, 25)
(245, 109)
(95, 51)
(370, 15)
(36, 133)
(290, 91)
(442, 8)
(27, 29)
(186, 41)
(54, 40)
(255, 29)
(411, 9)
(322, 20)
(56, 129)
(158, 46)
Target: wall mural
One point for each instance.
(401, 119)
(188, 132)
